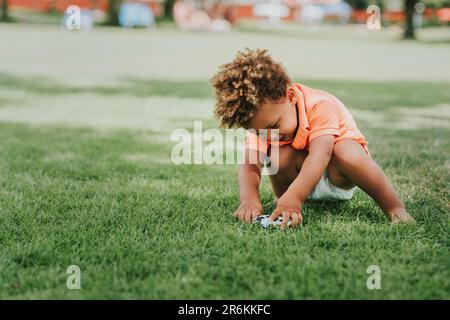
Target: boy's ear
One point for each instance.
(291, 96)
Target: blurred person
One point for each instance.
(218, 10)
(187, 17)
(315, 11)
(135, 14)
(322, 155)
(231, 14)
(310, 14)
(273, 11)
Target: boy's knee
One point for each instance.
(287, 159)
(348, 151)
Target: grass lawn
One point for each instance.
(86, 179)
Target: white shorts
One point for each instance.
(324, 190)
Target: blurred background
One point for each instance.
(221, 15)
(109, 49)
(99, 41)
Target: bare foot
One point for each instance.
(400, 215)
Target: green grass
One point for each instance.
(140, 227)
(86, 179)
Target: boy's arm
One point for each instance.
(249, 179)
(320, 150)
(289, 205)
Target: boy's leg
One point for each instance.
(290, 161)
(350, 164)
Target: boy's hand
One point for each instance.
(248, 210)
(289, 207)
(400, 215)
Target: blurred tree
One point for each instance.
(113, 12)
(358, 4)
(436, 3)
(53, 6)
(5, 15)
(409, 23)
(168, 6)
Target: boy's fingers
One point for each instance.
(275, 214)
(245, 215)
(300, 218)
(286, 216)
(255, 213)
(248, 215)
(294, 217)
(241, 214)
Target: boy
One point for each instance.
(321, 152)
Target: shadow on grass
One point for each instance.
(359, 94)
(134, 87)
(435, 41)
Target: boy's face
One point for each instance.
(280, 114)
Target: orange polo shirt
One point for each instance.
(319, 113)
